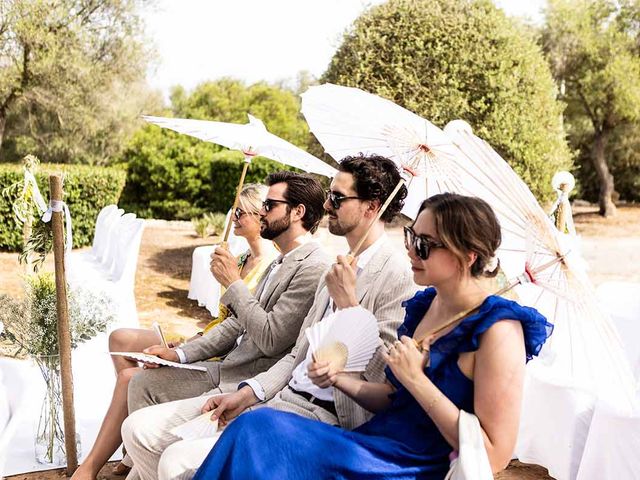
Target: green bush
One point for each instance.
(450, 59)
(209, 224)
(173, 176)
(86, 191)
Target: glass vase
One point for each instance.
(50, 442)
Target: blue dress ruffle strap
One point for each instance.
(399, 443)
(466, 336)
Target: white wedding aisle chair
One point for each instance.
(12, 407)
(611, 450)
(203, 287)
(98, 257)
(553, 437)
(114, 276)
(622, 301)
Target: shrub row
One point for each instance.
(86, 191)
(184, 187)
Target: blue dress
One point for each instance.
(399, 443)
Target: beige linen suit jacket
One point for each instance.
(269, 323)
(381, 287)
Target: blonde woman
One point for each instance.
(252, 263)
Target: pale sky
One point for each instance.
(254, 40)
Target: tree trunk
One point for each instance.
(3, 123)
(598, 157)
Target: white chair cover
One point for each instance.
(622, 301)
(203, 287)
(554, 423)
(613, 446)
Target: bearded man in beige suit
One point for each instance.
(263, 327)
(382, 281)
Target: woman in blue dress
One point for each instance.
(476, 365)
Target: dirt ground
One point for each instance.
(611, 247)
(516, 471)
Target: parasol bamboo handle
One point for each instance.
(517, 281)
(227, 231)
(353, 252)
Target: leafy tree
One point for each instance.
(449, 59)
(71, 78)
(594, 48)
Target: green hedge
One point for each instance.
(186, 186)
(86, 191)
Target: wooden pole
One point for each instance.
(64, 334)
(561, 212)
(227, 230)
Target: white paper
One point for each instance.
(144, 357)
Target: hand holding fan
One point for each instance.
(200, 427)
(347, 339)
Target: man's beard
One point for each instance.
(340, 229)
(273, 229)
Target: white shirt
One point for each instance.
(300, 378)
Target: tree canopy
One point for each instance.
(450, 59)
(72, 78)
(594, 50)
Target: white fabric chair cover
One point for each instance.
(107, 218)
(554, 423)
(203, 287)
(114, 278)
(13, 389)
(612, 451)
(622, 301)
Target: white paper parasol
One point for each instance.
(348, 121)
(251, 139)
(584, 346)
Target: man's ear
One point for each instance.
(299, 211)
(372, 207)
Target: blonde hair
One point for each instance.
(252, 196)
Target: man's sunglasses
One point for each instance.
(422, 244)
(335, 199)
(269, 203)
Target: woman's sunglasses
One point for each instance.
(238, 213)
(420, 243)
(335, 199)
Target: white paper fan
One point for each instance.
(348, 337)
(200, 427)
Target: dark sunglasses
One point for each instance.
(269, 203)
(422, 244)
(238, 213)
(335, 199)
